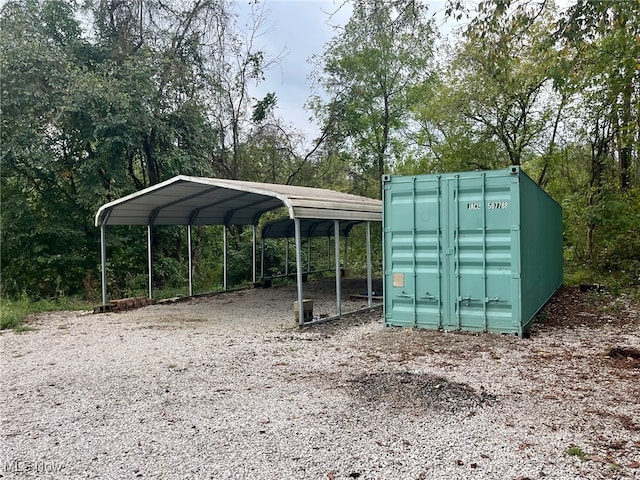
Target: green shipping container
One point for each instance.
(473, 251)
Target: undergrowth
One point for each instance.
(13, 312)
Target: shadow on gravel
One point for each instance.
(411, 390)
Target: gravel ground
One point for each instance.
(226, 387)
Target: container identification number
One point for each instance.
(497, 205)
(490, 205)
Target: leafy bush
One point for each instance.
(615, 250)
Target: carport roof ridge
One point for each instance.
(186, 200)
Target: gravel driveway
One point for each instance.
(227, 387)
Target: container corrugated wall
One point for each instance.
(473, 251)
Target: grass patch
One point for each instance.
(614, 282)
(576, 451)
(14, 311)
(573, 277)
(616, 306)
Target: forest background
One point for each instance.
(102, 98)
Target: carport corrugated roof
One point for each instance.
(185, 200)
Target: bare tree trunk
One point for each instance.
(542, 179)
(624, 144)
(599, 148)
(385, 144)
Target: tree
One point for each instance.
(603, 37)
(43, 214)
(367, 71)
(234, 63)
(500, 82)
(89, 116)
(598, 52)
(448, 139)
(272, 148)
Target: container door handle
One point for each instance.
(428, 296)
(404, 295)
(494, 299)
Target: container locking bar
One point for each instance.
(428, 296)
(468, 299)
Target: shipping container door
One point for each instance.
(398, 254)
(429, 252)
(480, 218)
(412, 254)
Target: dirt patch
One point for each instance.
(416, 390)
(571, 308)
(404, 345)
(628, 423)
(623, 357)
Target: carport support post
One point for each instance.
(190, 260)
(103, 257)
(286, 257)
(308, 254)
(369, 286)
(224, 258)
(262, 259)
(254, 255)
(329, 252)
(346, 254)
(149, 272)
(336, 236)
(296, 222)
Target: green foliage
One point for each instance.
(13, 312)
(10, 316)
(617, 243)
(89, 117)
(263, 107)
(576, 451)
(615, 247)
(577, 275)
(493, 105)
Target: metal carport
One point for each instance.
(185, 200)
